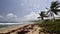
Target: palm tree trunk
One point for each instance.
(53, 18)
(42, 18)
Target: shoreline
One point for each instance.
(5, 25)
(10, 28)
(24, 29)
(21, 29)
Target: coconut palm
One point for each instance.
(54, 9)
(42, 15)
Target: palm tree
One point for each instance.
(42, 15)
(54, 9)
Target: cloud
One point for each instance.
(11, 18)
(54, 0)
(31, 16)
(11, 15)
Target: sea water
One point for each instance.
(4, 25)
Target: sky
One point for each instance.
(18, 10)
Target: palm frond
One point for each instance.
(55, 12)
(47, 12)
(54, 4)
(39, 17)
(42, 13)
(46, 16)
(57, 6)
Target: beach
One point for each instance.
(23, 29)
(8, 29)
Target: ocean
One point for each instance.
(4, 25)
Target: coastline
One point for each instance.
(27, 28)
(24, 29)
(10, 28)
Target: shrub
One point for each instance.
(52, 27)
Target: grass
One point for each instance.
(51, 27)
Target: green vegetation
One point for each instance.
(54, 9)
(42, 15)
(50, 25)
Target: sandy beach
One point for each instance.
(8, 29)
(23, 29)
(19, 28)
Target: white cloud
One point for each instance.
(45, 10)
(11, 15)
(31, 16)
(54, 0)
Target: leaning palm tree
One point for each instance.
(42, 15)
(54, 9)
